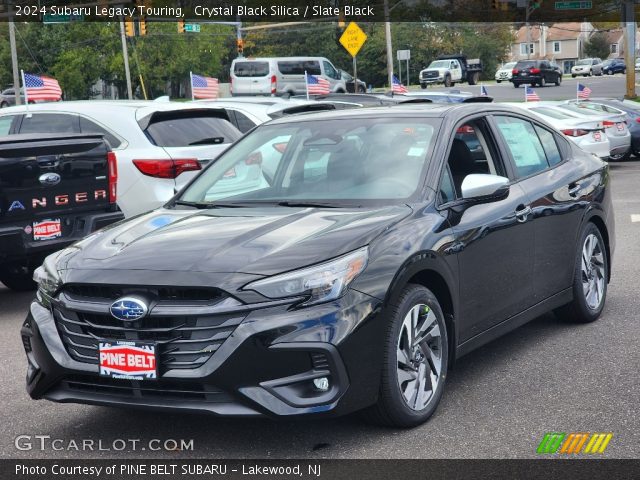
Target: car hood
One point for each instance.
(260, 241)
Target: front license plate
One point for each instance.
(128, 360)
(597, 137)
(47, 229)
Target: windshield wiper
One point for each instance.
(204, 205)
(288, 203)
(209, 141)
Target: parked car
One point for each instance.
(505, 72)
(614, 65)
(451, 69)
(535, 72)
(451, 97)
(620, 107)
(8, 97)
(159, 146)
(637, 67)
(587, 67)
(587, 134)
(54, 190)
(379, 253)
(615, 126)
(281, 75)
(348, 81)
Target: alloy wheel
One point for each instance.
(419, 357)
(593, 272)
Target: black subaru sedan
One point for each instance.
(328, 263)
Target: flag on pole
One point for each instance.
(204, 87)
(583, 92)
(38, 87)
(397, 87)
(530, 95)
(483, 91)
(317, 85)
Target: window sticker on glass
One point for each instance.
(523, 142)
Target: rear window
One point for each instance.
(299, 67)
(526, 64)
(251, 69)
(87, 126)
(184, 131)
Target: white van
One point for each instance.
(281, 75)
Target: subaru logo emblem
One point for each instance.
(49, 179)
(128, 309)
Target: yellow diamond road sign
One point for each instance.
(353, 38)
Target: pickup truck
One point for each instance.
(54, 190)
(451, 69)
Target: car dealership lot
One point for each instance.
(500, 400)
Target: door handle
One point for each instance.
(522, 213)
(574, 188)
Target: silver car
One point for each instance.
(587, 67)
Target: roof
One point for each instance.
(556, 32)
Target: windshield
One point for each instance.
(440, 64)
(584, 62)
(340, 161)
(509, 66)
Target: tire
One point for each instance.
(473, 78)
(636, 153)
(542, 82)
(516, 85)
(498, 81)
(362, 90)
(423, 86)
(610, 72)
(585, 306)
(447, 80)
(18, 281)
(624, 72)
(573, 75)
(558, 81)
(4, 105)
(400, 373)
(620, 158)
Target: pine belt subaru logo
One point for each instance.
(128, 309)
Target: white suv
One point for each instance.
(159, 146)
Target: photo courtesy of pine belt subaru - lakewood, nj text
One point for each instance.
(329, 263)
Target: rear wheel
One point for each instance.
(516, 85)
(415, 360)
(18, 280)
(590, 279)
(573, 75)
(4, 105)
(542, 82)
(621, 157)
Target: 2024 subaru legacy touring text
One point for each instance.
(328, 263)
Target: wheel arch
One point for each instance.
(600, 224)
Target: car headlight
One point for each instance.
(47, 278)
(321, 283)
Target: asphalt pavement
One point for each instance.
(604, 86)
(499, 402)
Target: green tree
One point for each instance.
(597, 46)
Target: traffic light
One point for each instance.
(181, 25)
(129, 27)
(142, 25)
(240, 44)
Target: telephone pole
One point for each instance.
(125, 56)
(14, 61)
(387, 33)
(628, 17)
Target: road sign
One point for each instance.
(62, 18)
(192, 27)
(574, 5)
(353, 38)
(404, 54)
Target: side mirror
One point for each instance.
(484, 188)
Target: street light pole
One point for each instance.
(387, 33)
(125, 56)
(14, 62)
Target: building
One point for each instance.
(562, 43)
(615, 39)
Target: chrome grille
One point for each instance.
(431, 74)
(185, 331)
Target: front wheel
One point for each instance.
(415, 360)
(559, 81)
(589, 280)
(543, 82)
(423, 86)
(516, 85)
(498, 81)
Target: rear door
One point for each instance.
(540, 161)
(191, 137)
(251, 77)
(43, 181)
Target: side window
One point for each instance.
(447, 190)
(526, 148)
(329, 70)
(5, 124)
(550, 146)
(50, 123)
(243, 123)
(87, 126)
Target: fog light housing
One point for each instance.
(321, 384)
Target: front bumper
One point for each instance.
(266, 366)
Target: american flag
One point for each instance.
(583, 91)
(530, 95)
(397, 87)
(483, 91)
(204, 87)
(42, 88)
(317, 85)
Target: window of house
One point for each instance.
(526, 48)
(614, 48)
(556, 47)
